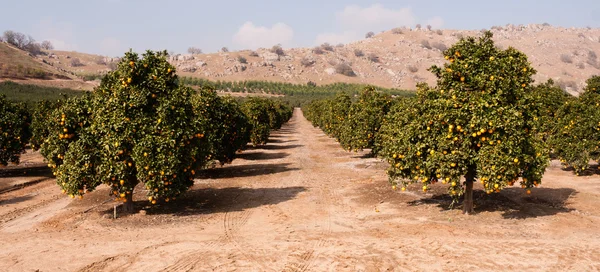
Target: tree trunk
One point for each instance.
(128, 205)
(468, 202)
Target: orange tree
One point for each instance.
(329, 114)
(228, 130)
(548, 98)
(137, 127)
(477, 123)
(577, 134)
(14, 131)
(364, 119)
(257, 112)
(39, 122)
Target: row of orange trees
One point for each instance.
(484, 121)
(139, 126)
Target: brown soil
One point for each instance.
(299, 203)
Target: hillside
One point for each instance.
(566, 55)
(19, 66)
(397, 58)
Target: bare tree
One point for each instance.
(418, 26)
(369, 34)
(429, 27)
(194, 50)
(224, 49)
(47, 45)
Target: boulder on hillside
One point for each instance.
(269, 56)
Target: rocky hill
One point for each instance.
(396, 58)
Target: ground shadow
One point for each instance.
(592, 169)
(278, 147)
(280, 141)
(514, 203)
(368, 155)
(216, 200)
(27, 171)
(15, 200)
(5, 189)
(236, 171)
(255, 156)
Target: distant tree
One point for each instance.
(358, 53)
(327, 46)
(418, 26)
(318, 50)
(397, 30)
(47, 45)
(428, 27)
(425, 44)
(76, 62)
(242, 59)
(277, 50)
(253, 54)
(369, 34)
(100, 60)
(372, 57)
(224, 49)
(339, 45)
(194, 50)
(344, 69)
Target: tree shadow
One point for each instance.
(255, 156)
(6, 189)
(278, 147)
(37, 170)
(514, 203)
(280, 141)
(592, 169)
(236, 171)
(15, 200)
(217, 200)
(368, 155)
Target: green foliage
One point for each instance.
(263, 116)
(228, 130)
(329, 114)
(477, 123)
(547, 99)
(577, 134)
(40, 128)
(32, 93)
(14, 130)
(364, 120)
(138, 127)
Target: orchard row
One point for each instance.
(484, 121)
(139, 126)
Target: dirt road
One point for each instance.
(300, 203)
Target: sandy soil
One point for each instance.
(299, 203)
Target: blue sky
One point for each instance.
(111, 27)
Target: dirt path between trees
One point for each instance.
(300, 203)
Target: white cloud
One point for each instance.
(374, 18)
(435, 22)
(60, 34)
(250, 36)
(355, 21)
